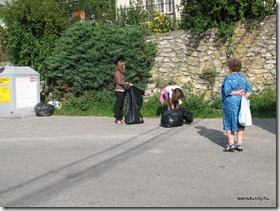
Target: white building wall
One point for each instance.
(126, 3)
(122, 3)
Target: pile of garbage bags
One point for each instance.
(176, 117)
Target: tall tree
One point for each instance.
(32, 29)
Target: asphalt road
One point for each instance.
(60, 161)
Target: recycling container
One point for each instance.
(19, 91)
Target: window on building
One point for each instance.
(162, 6)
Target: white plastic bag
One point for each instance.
(244, 117)
(55, 103)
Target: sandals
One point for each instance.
(233, 147)
(119, 122)
(230, 148)
(239, 147)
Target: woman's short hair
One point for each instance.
(234, 64)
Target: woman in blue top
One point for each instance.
(234, 87)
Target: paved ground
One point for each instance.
(91, 162)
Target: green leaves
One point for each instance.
(85, 58)
(201, 15)
(32, 28)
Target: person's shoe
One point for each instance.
(119, 122)
(239, 147)
(229, 148)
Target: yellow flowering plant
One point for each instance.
(161, 23)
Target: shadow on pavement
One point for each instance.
(266, 124)
(216, 136)
(49, 190)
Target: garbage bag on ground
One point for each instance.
(172, 118)
(44, 109)
(187, 115)
(134, 101)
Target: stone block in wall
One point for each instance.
(193, 61)
(241, 49)
(173, 54)
(256, 46)
(183, 80)
(194, 70)
(269, 66)
(268, 77)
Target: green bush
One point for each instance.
(161, 23)
(263, 103)
(85, 58)
(152, 107)
(90, 103)
(195, 103)
(94, 103)
(200, 107)
(201, 15)
(32, 28)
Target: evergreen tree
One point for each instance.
(85, 58)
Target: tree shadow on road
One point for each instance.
(216, 136)
(266, 124)
(108, 158)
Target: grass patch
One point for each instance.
(263, 105)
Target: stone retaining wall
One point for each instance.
(184, 58)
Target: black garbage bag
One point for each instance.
(187, 115)
(44, 109)
(172, 118)
(134, 101)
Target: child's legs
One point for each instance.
(166, 97)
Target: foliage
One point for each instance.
(2, 43)
(91, 103)
(152, 107)
(209, 74)
(201, 15)
(85, 58)
(201, 107)
(149, 18)
(263, 103)
(90, 99)
(133, 16)
(32, 29)
(101, 9)
(161, 23)
(94, 103)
